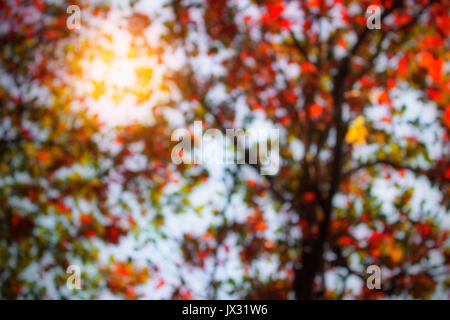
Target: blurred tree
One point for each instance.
(309, 68)
(314, 70)
(55, 174)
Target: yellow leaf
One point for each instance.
(357, 131)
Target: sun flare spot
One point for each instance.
(119, 76)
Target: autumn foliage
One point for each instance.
(364, 174)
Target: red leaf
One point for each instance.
(289, 96)
(347, 241)
(32, 195)
(434, 94)
(86, 219)
(308, 67)
(251, 183)
(285, 23)
(447, 174)
(376, 238)
(21, 227)
(202, 254)
(89, 233)
(391, 83)
(314, 3)
(309, 196)
(424, 229)
(160, 284)
(185, 296)
(275, 10)
(61, 207)
(402, 67)
(39, 5)
(112, 234)
(184, 17)
(316, 110)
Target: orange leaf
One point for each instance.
(342, 42)
(43, 156)
(160, 284)
(86, 219)
(251, 183)
(396, 255)
(208, 235)
(260, 226)
(383, 98)
(316, 110)
(202, 255)
(314, 3)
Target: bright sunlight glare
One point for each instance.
(120, 75)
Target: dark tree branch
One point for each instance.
(395, 165)
(312, 259)
(299, 47)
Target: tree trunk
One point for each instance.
(305, 276)
(312, 253)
